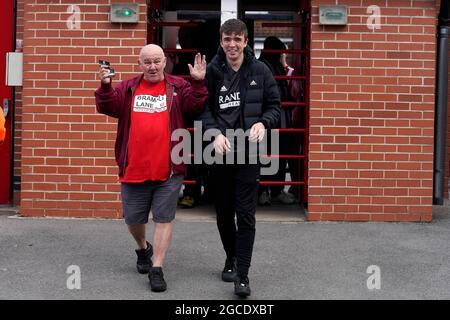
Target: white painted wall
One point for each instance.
(228, 9)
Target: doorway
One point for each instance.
(289, 21)
(6, 100)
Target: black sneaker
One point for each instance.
(229, 271)
(144, 259)
(156, 278)
(242, 287)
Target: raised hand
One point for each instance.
(198, 71)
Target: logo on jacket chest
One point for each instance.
(230, 100)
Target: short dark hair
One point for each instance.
(272, 42)
(234, 26)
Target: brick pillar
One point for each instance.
(372, 113)
(68, 166)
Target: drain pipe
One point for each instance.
(440, 122)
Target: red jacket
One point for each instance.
(182, 98)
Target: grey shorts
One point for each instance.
(159, 196)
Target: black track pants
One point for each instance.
(236, 190)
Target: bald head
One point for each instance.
(152, 49)
(152, 62)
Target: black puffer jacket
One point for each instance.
(260, 102)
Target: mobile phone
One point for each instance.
(105, 64)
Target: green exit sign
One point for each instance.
(124, 13)
(333, 15)
(127, 12)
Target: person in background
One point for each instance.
(149, 107)
(278, 66)
(193, 37)
(296, 141)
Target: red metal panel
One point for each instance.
(153, 8)
(6, 45)
(307, 99)
(301, 56)
(176, 24)
(283, 25)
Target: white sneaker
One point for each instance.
(264, 199)
(285, 198)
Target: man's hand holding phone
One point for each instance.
(106, 72)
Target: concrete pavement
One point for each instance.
(292, 259)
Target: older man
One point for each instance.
(149, 107)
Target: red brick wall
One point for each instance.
(372, 109)
(68, 166)
(372, 113)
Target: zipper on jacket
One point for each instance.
(126, 151)
(170, 130)
(243, 90)
(129, 133)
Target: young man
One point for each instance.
(149, 107)
(242, 94)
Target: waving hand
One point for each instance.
(198, 71)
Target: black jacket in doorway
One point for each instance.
(259, 94)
